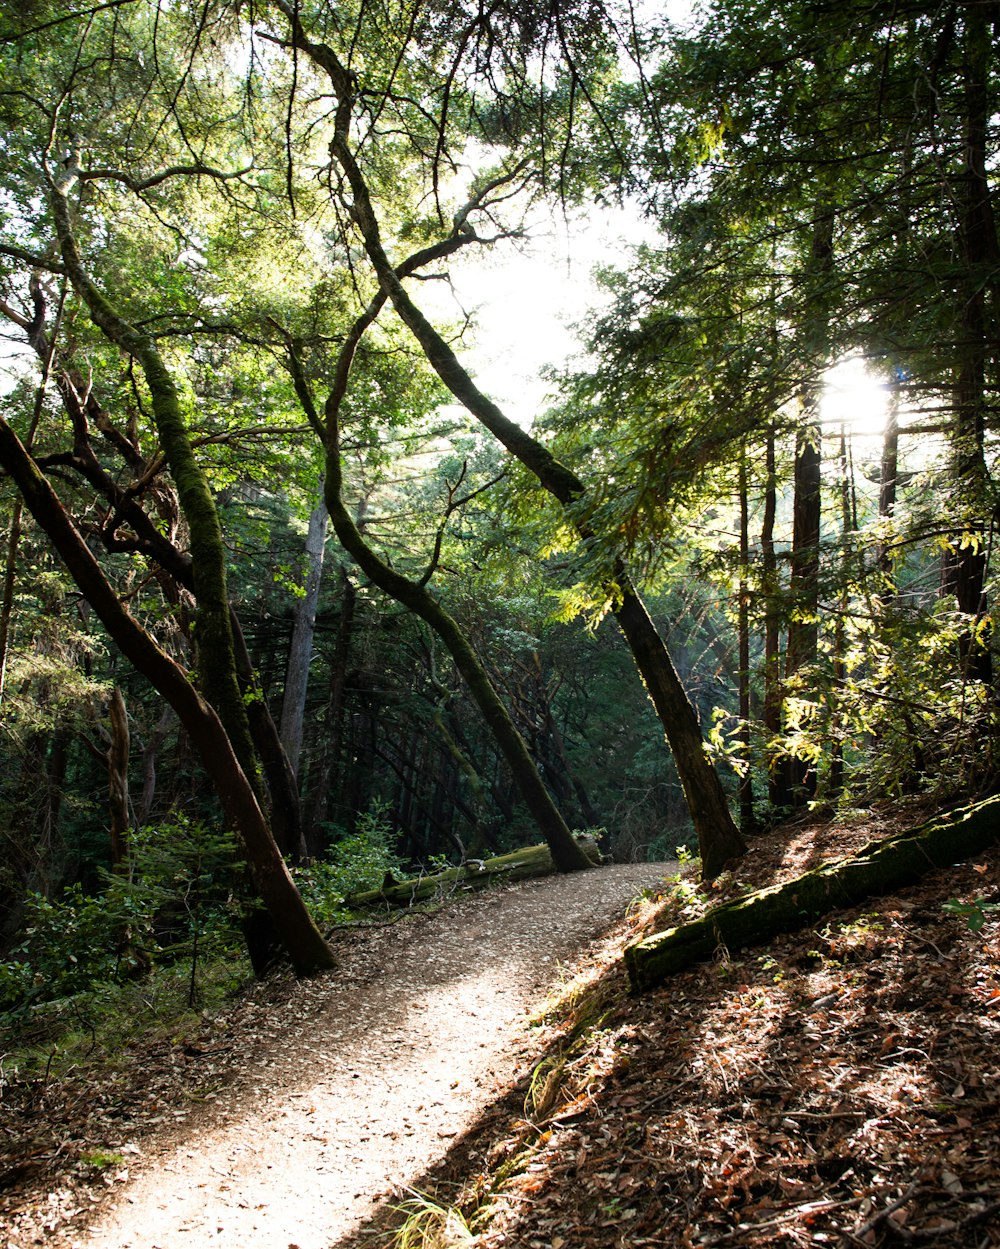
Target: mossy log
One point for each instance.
(476, 874)
(879, 867)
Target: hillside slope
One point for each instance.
(840, 1086)
(286, 1119)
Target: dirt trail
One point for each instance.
(368, 1077)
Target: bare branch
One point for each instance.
(31, 258)
(13, 36)
(174, 171)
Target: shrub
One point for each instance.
(358, 861)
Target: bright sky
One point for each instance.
(855, 397)
(526, 302)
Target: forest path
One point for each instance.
(363, 1078)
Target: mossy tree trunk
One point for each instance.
(719, 839)
(770, 588)
(213, 631)
(218, 727)
(965, 567)
(415, 595)
(878, 868)
(475, 874)
(293, 924)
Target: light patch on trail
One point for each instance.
(361, 1098)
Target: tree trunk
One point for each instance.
(117, 759)
(803, 629)
(296, 930)
(478, 874)
(150, 752)
(777, 788)
(9, 586)
(56, 760)
(887, 487)
(587, 812)
(333, 724)
(839, 628)
(965, 567)
(718, 836)
(748, 819)
(565, 851)
(284, 807)
(293, 704)
(877, 868)
(46, 351)
(214, 637)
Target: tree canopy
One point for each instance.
(221, 224)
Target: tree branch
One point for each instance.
(138, 185)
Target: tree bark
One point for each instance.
(293, 704)
(565, 851)
(284, 806)
(777, 788)
(887, 487)
(117, 759)
(9, 586)
(878, 868)
(803, 629)
(965, 567)
(718, 837)
(333, 726)
(302, 940)
(213, 636)
(748, 819)
(838, 657)
(150, 751)
(478, 874)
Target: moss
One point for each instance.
(877, 868)
(479, 874)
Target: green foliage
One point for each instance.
(429, 1224)
(96, 1025)
(974, 913)
(101, 1159)
(738, 133)
(174, 904)
(66, 945)
(357, 861)
(181, 880)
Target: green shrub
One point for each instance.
(67, 943)
(358, 861)
(172, 903)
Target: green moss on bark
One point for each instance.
(477, 874)
(879, 867)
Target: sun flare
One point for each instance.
(855, 397)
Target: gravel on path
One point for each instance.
(367, 1075)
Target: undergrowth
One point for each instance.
(93, 1028)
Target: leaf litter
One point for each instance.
(285, 1119)
(840, 1086)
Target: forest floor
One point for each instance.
(840, 1086)
(288, 1119)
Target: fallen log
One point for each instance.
(879, 867)
(475, 874)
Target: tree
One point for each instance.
(794, 160)
(567, 854)
(218, 723)
(718, 837)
